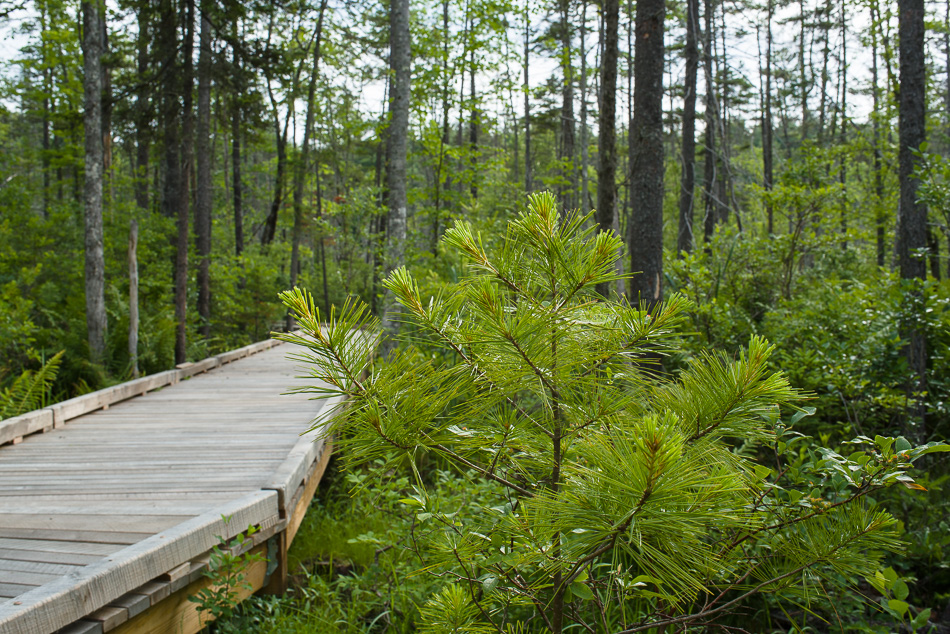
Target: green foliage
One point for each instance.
(622, 495)
(227, 572)
(30, 390)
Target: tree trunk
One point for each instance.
(304, 163)
(527, 104)
(711, 117)
(396, 185)
(566, 154)
(607, 125)
(473, 123)
(203, 200)
(767, 120)
(184, 197)
(106, 104)
(47, 96)
(585, 150)
(237, 186)
(646, 170)
(134, 298)
(879, 215)
(912, 222)
(684, 242)
(92, 193)
(143, 114)
(442, 178)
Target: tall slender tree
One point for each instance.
(92, 194)
(912, 214)
(184, 192)
(303, 164)
(684, 241)
(607, 125)
(646, 165)
(767, 165)
(400, 58)
(203, 195)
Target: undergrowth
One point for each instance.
(352, 563)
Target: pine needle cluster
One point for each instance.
(625, 498)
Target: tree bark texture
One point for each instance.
(646, 169)
(134, 298)
(568, 188)
(237, 186)
(184, 191)
(92, 191)
(398, 133)
(912, 222)
(203, 198)
(143, 132)
(607, 125)
(684, 236)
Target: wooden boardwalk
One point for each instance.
(107, 519)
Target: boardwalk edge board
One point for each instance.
(12, 430)
(297, 466)
(77, 595)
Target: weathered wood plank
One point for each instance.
(45, 556)
(295, 467)
(110, 617)
(94, 537)
(100, 523)
(10, 590)
(16, 565)
(57, 546)
(178, 614)
(83, 627)
(133, 603)
(26, 424)
(73, 596)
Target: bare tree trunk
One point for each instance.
(92, 194)
(444, 139)
(304, 164)
(143, 115)
(568, 190)
(843, 138)
(585, 150)
(236, 154)
(684, 242)
(879, 215)
(711, 118)
(396, 185)
(184, 199)
(646, 170)
(203, 200)
(47, 96)
(767, 152)
(527, 104)
(106, 105)
(134, 298)
(607, 125)
(912, 221)
(473, 123)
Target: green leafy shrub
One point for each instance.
(625, 499)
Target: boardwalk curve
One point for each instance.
(107, 518)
